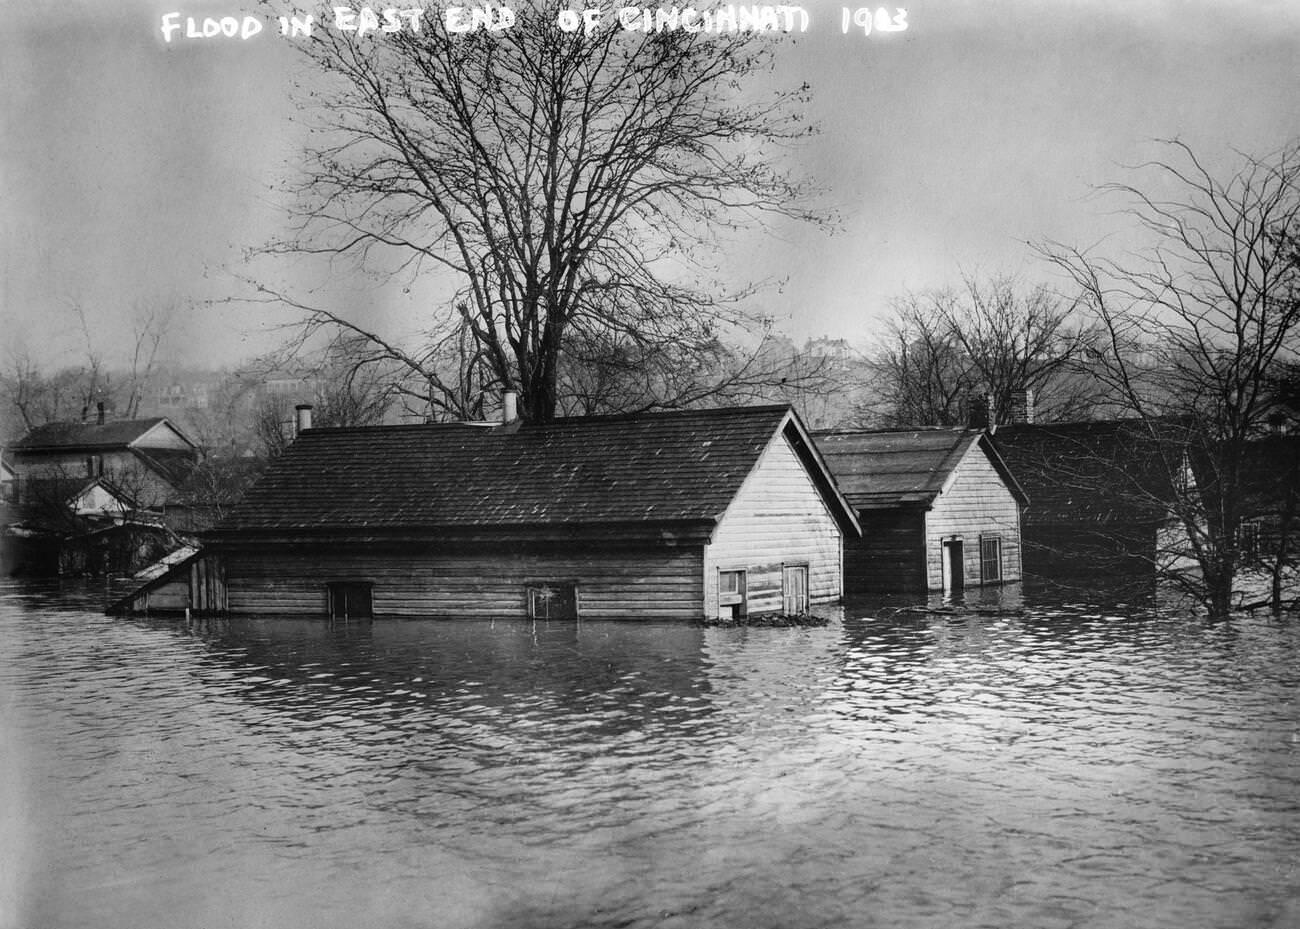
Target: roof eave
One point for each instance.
(845, 513)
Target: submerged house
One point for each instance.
(1103, 495)
(145, 459)
(689, 515)
(91, 497)
(939, 509)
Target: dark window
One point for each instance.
(1248, 539)
(731, 594)
(94, 466)
(351, 600)
(552, 601)
(990, 559)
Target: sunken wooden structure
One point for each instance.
(939, 509)
(1102, 496)
(690, 515)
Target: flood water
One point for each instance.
(1060, 766)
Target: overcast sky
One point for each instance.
(134, 171)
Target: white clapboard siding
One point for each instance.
(648, 584)
(777, 518)
(976, 503)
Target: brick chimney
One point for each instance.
(1022, 407)
(99, 413)
(509, 406)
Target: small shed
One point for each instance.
(688, 515)
(939, 509)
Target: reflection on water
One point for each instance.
(993, 763)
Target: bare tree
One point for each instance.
(151, 322)
(346, 383)
(571, 183)
(36, 397)
(29, 394)
(621, 374)
(1212, 304)
(992, 338)
(75, 392)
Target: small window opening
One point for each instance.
(351, 600)
(731, 595)
(1248, 539)
(552, 601)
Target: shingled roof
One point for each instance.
(880, 470)
(669, 473)
(1100, 471)
(88, 436)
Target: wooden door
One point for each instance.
(794, 590)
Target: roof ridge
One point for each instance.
(668, 414)
(559, 420)
(935, 429)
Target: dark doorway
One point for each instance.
(351, 600)
(954, 565)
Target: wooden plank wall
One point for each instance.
(631, 584)
(197, 586)
(777, 518)
(890, 556)
(977, 503)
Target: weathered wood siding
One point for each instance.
(778, 518)
(890, 556)
(621, 584)
(977, 503)
(197, 585)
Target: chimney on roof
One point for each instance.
(509, 406)
(302, 418)
(99, 413)
(1022, 407)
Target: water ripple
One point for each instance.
(1059, 765)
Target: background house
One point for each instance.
(677, 516)
(1268, 544)
(938, 507)
(146, 459)
(1101, 497)
(92, 497)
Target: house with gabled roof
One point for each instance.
(1102, 492)
(939, 509)
(686, 515)
(145, 459)
(90, 497)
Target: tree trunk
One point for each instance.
(1218, 592)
